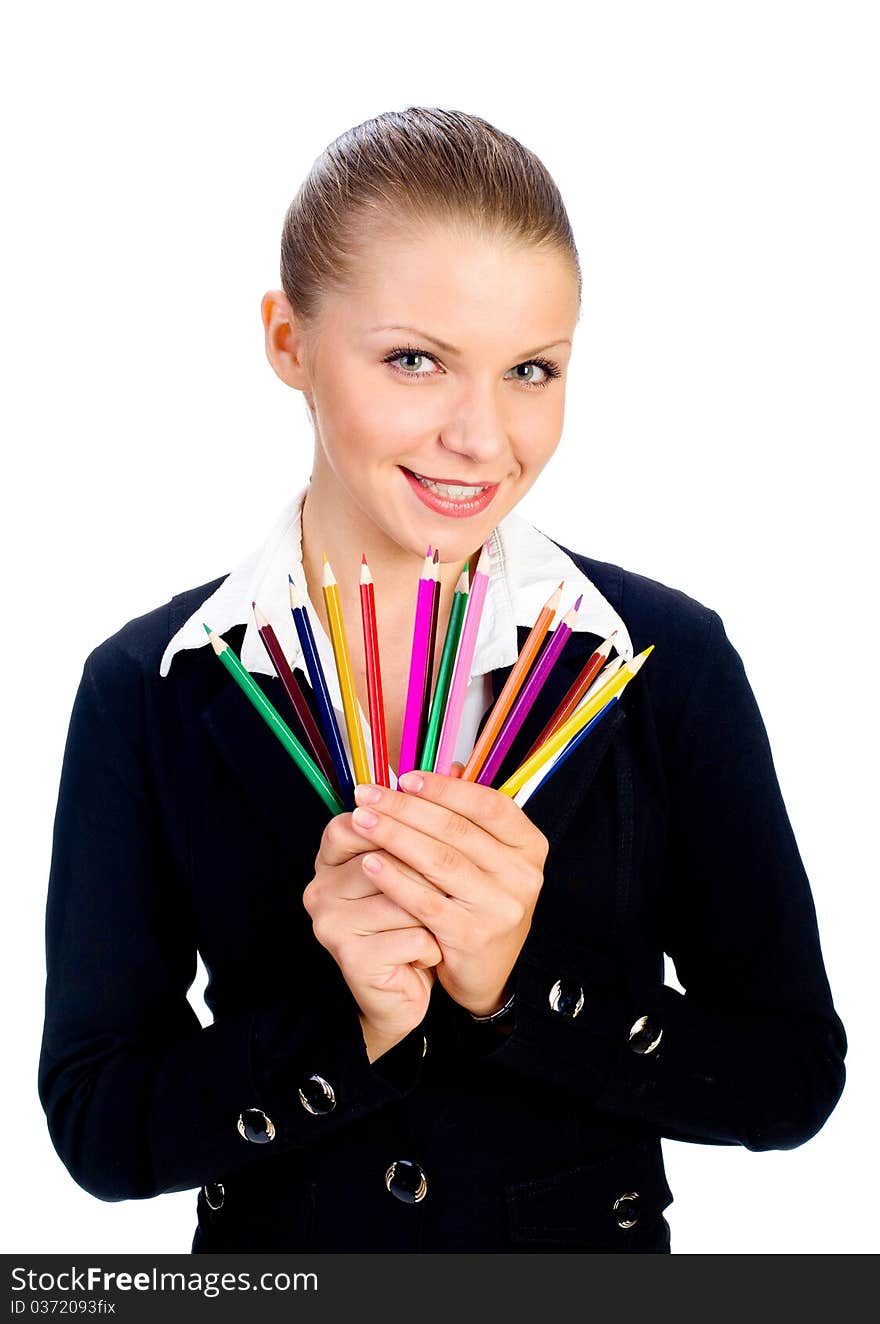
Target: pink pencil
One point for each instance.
(528, 695)
(462, 672)
(412, 716)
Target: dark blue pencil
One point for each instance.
(326, 715)
(570, 748)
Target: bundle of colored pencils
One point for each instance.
(431, 721)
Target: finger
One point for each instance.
(378, 914)
(439, 862)
(483, 805)
(440, 914)
(395, 947)
(447, 827)
(340, 841)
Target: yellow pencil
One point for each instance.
(333, 604)
(574, 723)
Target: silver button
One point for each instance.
(254, 1125)
(626, 1209)
(317, 1097)
(214, 1194)
(645, 1035)
(407, 1181)
(566, 998)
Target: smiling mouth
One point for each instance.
(449, 487)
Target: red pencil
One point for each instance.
(374, 677)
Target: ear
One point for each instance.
(285, 339)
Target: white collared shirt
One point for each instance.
(524, 569)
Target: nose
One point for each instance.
(474, 427)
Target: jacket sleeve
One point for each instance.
(139, 1097)
(752, 1052)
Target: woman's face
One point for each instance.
(447, 361)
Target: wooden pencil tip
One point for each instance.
(296, 599)
(366, 577)
(483, 562)
(363, 558)
(577, 605)
(208, 629)
(324, 558)
(262, 620)
(463, 581)
(436, 555)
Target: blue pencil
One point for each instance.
(570, 748)
(326, 715)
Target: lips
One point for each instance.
(451, 507)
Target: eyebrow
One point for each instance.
(450, 349)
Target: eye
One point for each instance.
(410, 369)
(545, 368)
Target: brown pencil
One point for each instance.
(314, 741)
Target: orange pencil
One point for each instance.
(512, 686)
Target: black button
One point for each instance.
(316, 1096)
(214, 1194)
(645, 1035)
(626, 1209)
(406, 1181)
(255, 1126)
(566, 997)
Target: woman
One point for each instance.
(472, 1048)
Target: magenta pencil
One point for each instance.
(412, 716)
(462, 673)
(528, 695)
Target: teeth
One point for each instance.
(453, 490)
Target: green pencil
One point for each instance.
(444, 675)
(275, 721)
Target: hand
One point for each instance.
(467, 863)
(384, 953)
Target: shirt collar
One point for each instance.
(525, 567)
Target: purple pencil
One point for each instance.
(462, 672)
(412, 716)
(528, 695)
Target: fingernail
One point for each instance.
(364, 818)
(367, 795)
(411, 781)
(372, 863)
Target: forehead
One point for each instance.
(460, 285)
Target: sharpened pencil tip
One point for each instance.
(577, 605)
(363, 558)
(324, 558)
(207, 628)
(436, 555)
(262, 621)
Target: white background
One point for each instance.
(719, 165)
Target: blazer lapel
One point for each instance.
(284, 797)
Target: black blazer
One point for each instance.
(183, 825)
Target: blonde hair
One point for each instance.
(414, 166)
